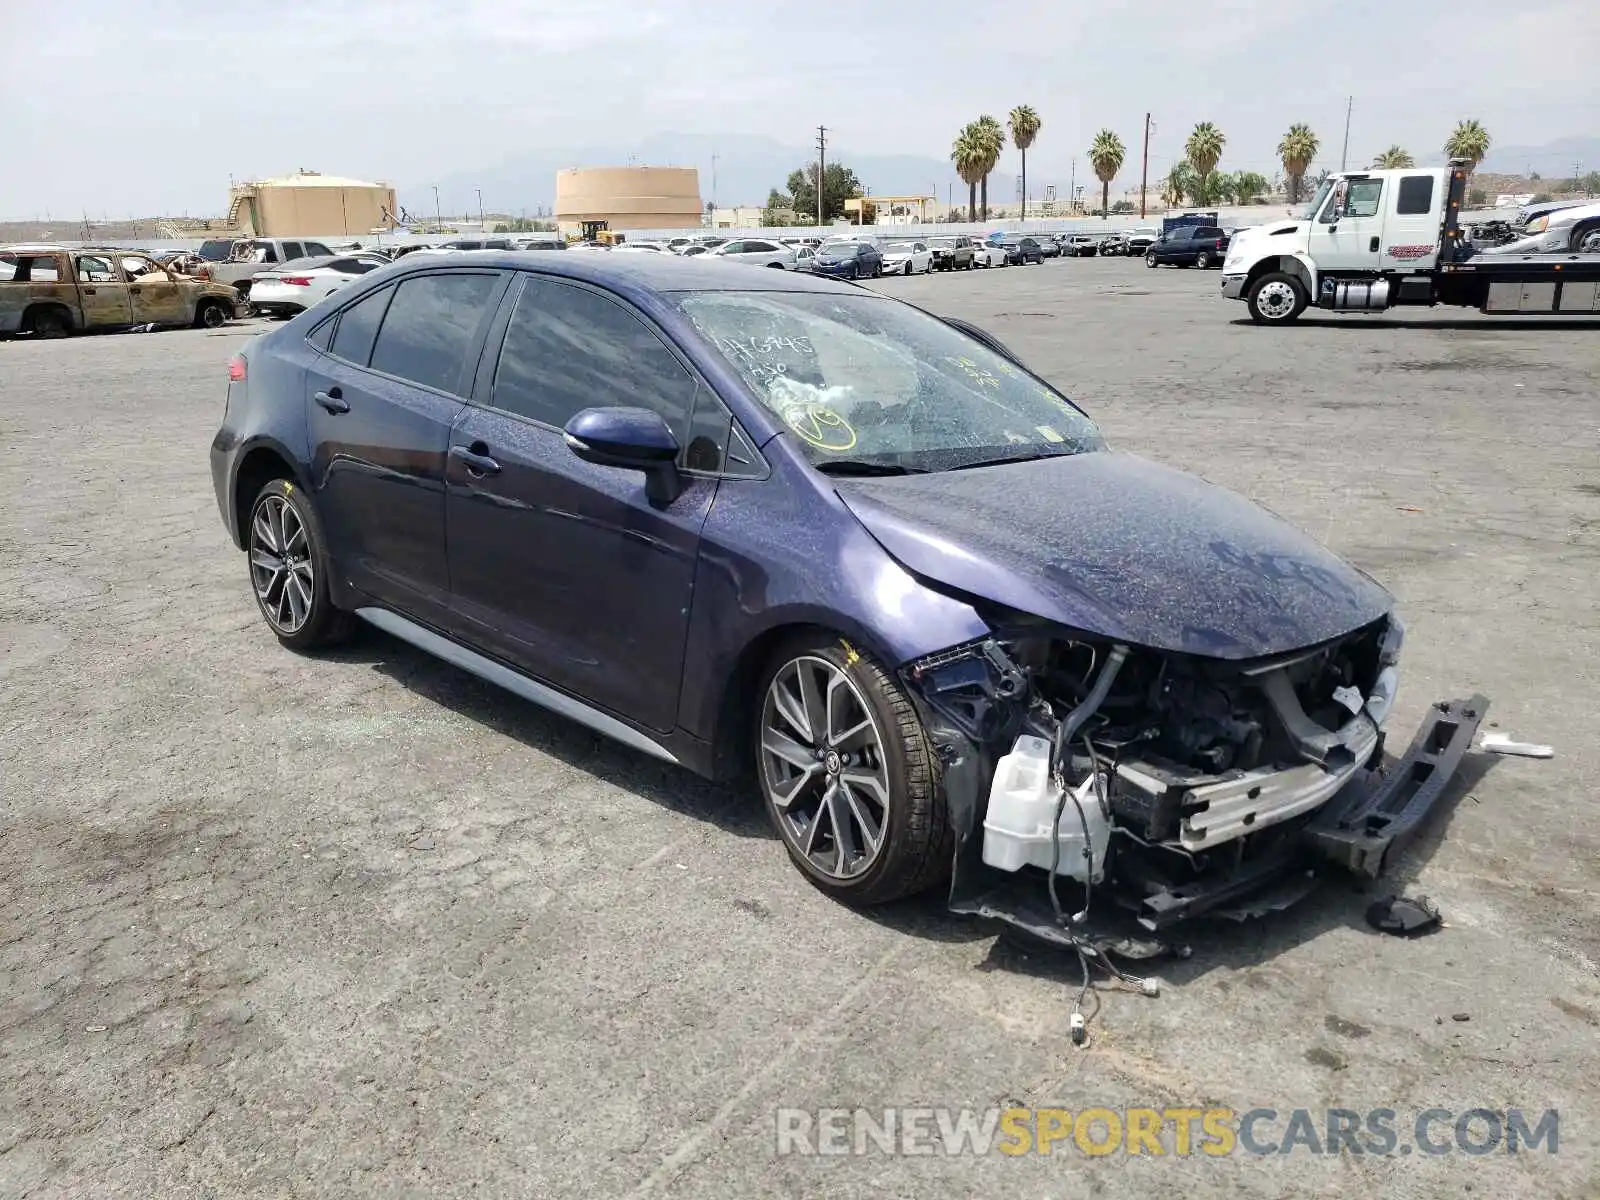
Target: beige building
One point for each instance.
(628, 198)
(309, 203)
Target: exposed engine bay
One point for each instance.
(1166, 784)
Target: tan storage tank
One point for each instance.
(311, 204)
(628, 198)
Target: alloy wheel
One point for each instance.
(281, 569)
(823, 767)
(1589, 243)
(1276, 300)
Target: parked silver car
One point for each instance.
(1576, 229)
(757, 252)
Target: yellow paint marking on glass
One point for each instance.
(821, 427)
(1048, 434)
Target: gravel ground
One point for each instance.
(360, 925)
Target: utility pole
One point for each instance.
(1144, 171)
(713, 181)
(482, 224)
(822, 167)
(1072, 191)
(438, 216)
(1344, 154)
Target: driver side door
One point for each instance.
(1347, 236)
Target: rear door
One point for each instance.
(1413, 222)
(380, 402)
(560, 566)
(103, 290)
(1347, 235)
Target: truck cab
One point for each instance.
(1371, 240)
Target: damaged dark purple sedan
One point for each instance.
(764, 524)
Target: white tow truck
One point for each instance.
(1372, 240)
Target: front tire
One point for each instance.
(1150, 260)
(212, 315)
(289, 567)
(847, 774)
(1276, 299)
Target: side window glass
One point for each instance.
(430, 326)
(317, 249)
(567, 349)
(322, 335)
(93, 268)
(1364, 197)
(1416, 196)
(358, 327)
(292, 251)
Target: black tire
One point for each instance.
(917, 838)
(212, 314)
(855, 272)
(49, 322)
(1203, 260)
(1150, 260)
(1586, 238)
(1271, 304)
(324, 624)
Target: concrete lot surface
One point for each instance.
(359, 925)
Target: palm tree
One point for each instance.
(1204, 148)
(1179, 182)
(1025, 126)
(1470, 141)
(968, 156)
(1298, 148)
(1105, 156)
(993, 140)
(1247, 185)
(1394, 159)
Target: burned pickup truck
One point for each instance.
(51, 291)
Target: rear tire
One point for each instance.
(49, 323)
(887, 790)
(1203, 260)
(1276, 299)
(289, 568)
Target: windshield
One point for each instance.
(1310, 212)
(215, 251)
(863, 379)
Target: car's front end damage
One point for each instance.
(1222, 785)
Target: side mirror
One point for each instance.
(635, 439)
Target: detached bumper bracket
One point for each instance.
(1363, 826)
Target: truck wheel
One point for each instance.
(1202, 260)
(49, 323)
(1276, 299)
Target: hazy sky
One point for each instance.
(148, 107)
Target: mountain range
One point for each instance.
(745, 169)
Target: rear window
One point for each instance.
(1416, 196)
(430, 326)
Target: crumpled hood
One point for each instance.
(1123, 547)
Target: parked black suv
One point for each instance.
(1021, 250)
(1189, 246)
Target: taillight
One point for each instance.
(295, 280)
(236, 369)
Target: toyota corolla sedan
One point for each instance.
(778, 528)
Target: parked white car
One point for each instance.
(295, 286)
(988, 254)
(757, 252)
(907, 258)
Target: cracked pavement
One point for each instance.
(360, 924)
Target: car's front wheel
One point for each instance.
(847, 774)
(1150, 260)
(289, 568)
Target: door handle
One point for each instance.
(476, 460)
(88, 291)
(1373, 245)
(133, 291)
(332, 400)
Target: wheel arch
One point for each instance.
(739, 706)
(40, 306)
(263, 462)
(1290, 264)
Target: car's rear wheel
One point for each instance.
(1202, 260)
(289, 568)
(847, 774)
(1150, 260)
(1276, 299)
(49, 322)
